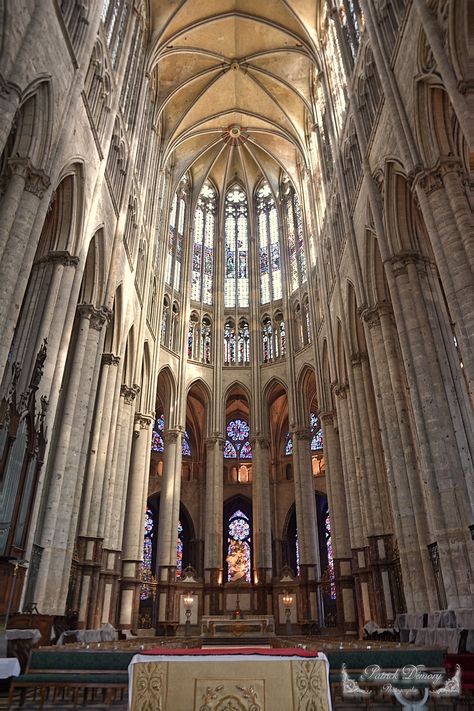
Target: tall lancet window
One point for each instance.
(175, 240)
(203, 250)
(269, 253)
(236, 280)
(294, 224)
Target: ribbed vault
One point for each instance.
(234, 84)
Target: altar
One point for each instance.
(239, 679)
(251, 626)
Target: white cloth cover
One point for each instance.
(9, 667)
(34, 635)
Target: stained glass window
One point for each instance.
(229, 344)
(146, 571)
(288, 444)
(297, 554)
(238, 547)
(237, 444)
(186, 445)
(179, 551)
(244, 343)
(206, 340)
(332, 574)
(282, 338)
(246, 451)
(175, 239)
(157, 441)
(267, 341)
(294, 224)
(316, 433)
(203, 248)
(269, 246)
(236, 278)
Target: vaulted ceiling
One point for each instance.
(234, 87)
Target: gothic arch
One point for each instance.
(93, 279)
(307, 394)
(145, 401)
(33, 124)
(355, 330)
(166, 391)
(62, 228)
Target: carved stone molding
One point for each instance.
(432, 179)
(110, 359)
(63, 258)
(128, 394)
(303, 433)
(261, 441)
(401, 261)
(327, 418)
(340, 390)
(37, 182)
(214, 439)
(358, 358)
(143, 421)
(172, 435)
(97, 317)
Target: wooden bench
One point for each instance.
(76, 671)
(389, 660)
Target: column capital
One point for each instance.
(340, 389)
(432, 179)
(301, 433)
(371, 315)
(97, 317)
(37, 182)
(110, 359)
(261, 441)
(401, 261)
(143, 421)
(63, 258)
(129, 394)
(358, 358)
(327, 417)
(172, 435)
(214, 439)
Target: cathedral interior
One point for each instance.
(236, 311)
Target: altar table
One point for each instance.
(241, 679)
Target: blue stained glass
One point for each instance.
(316, 433)
(275, 256)
(186, 446)
(246, 451)
(229, 450)
(288, 444)
(238, 430)
(238, 547)
(179, 551)
(157, 444)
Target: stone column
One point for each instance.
(261, 511)
(404, 485)
(93, 506)
(132, 554)
(213, 531)
(19, 250)
(52, 535)
(306, 521)
(443, 463)
(168, 522)
(113, 524)
(341, 545)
